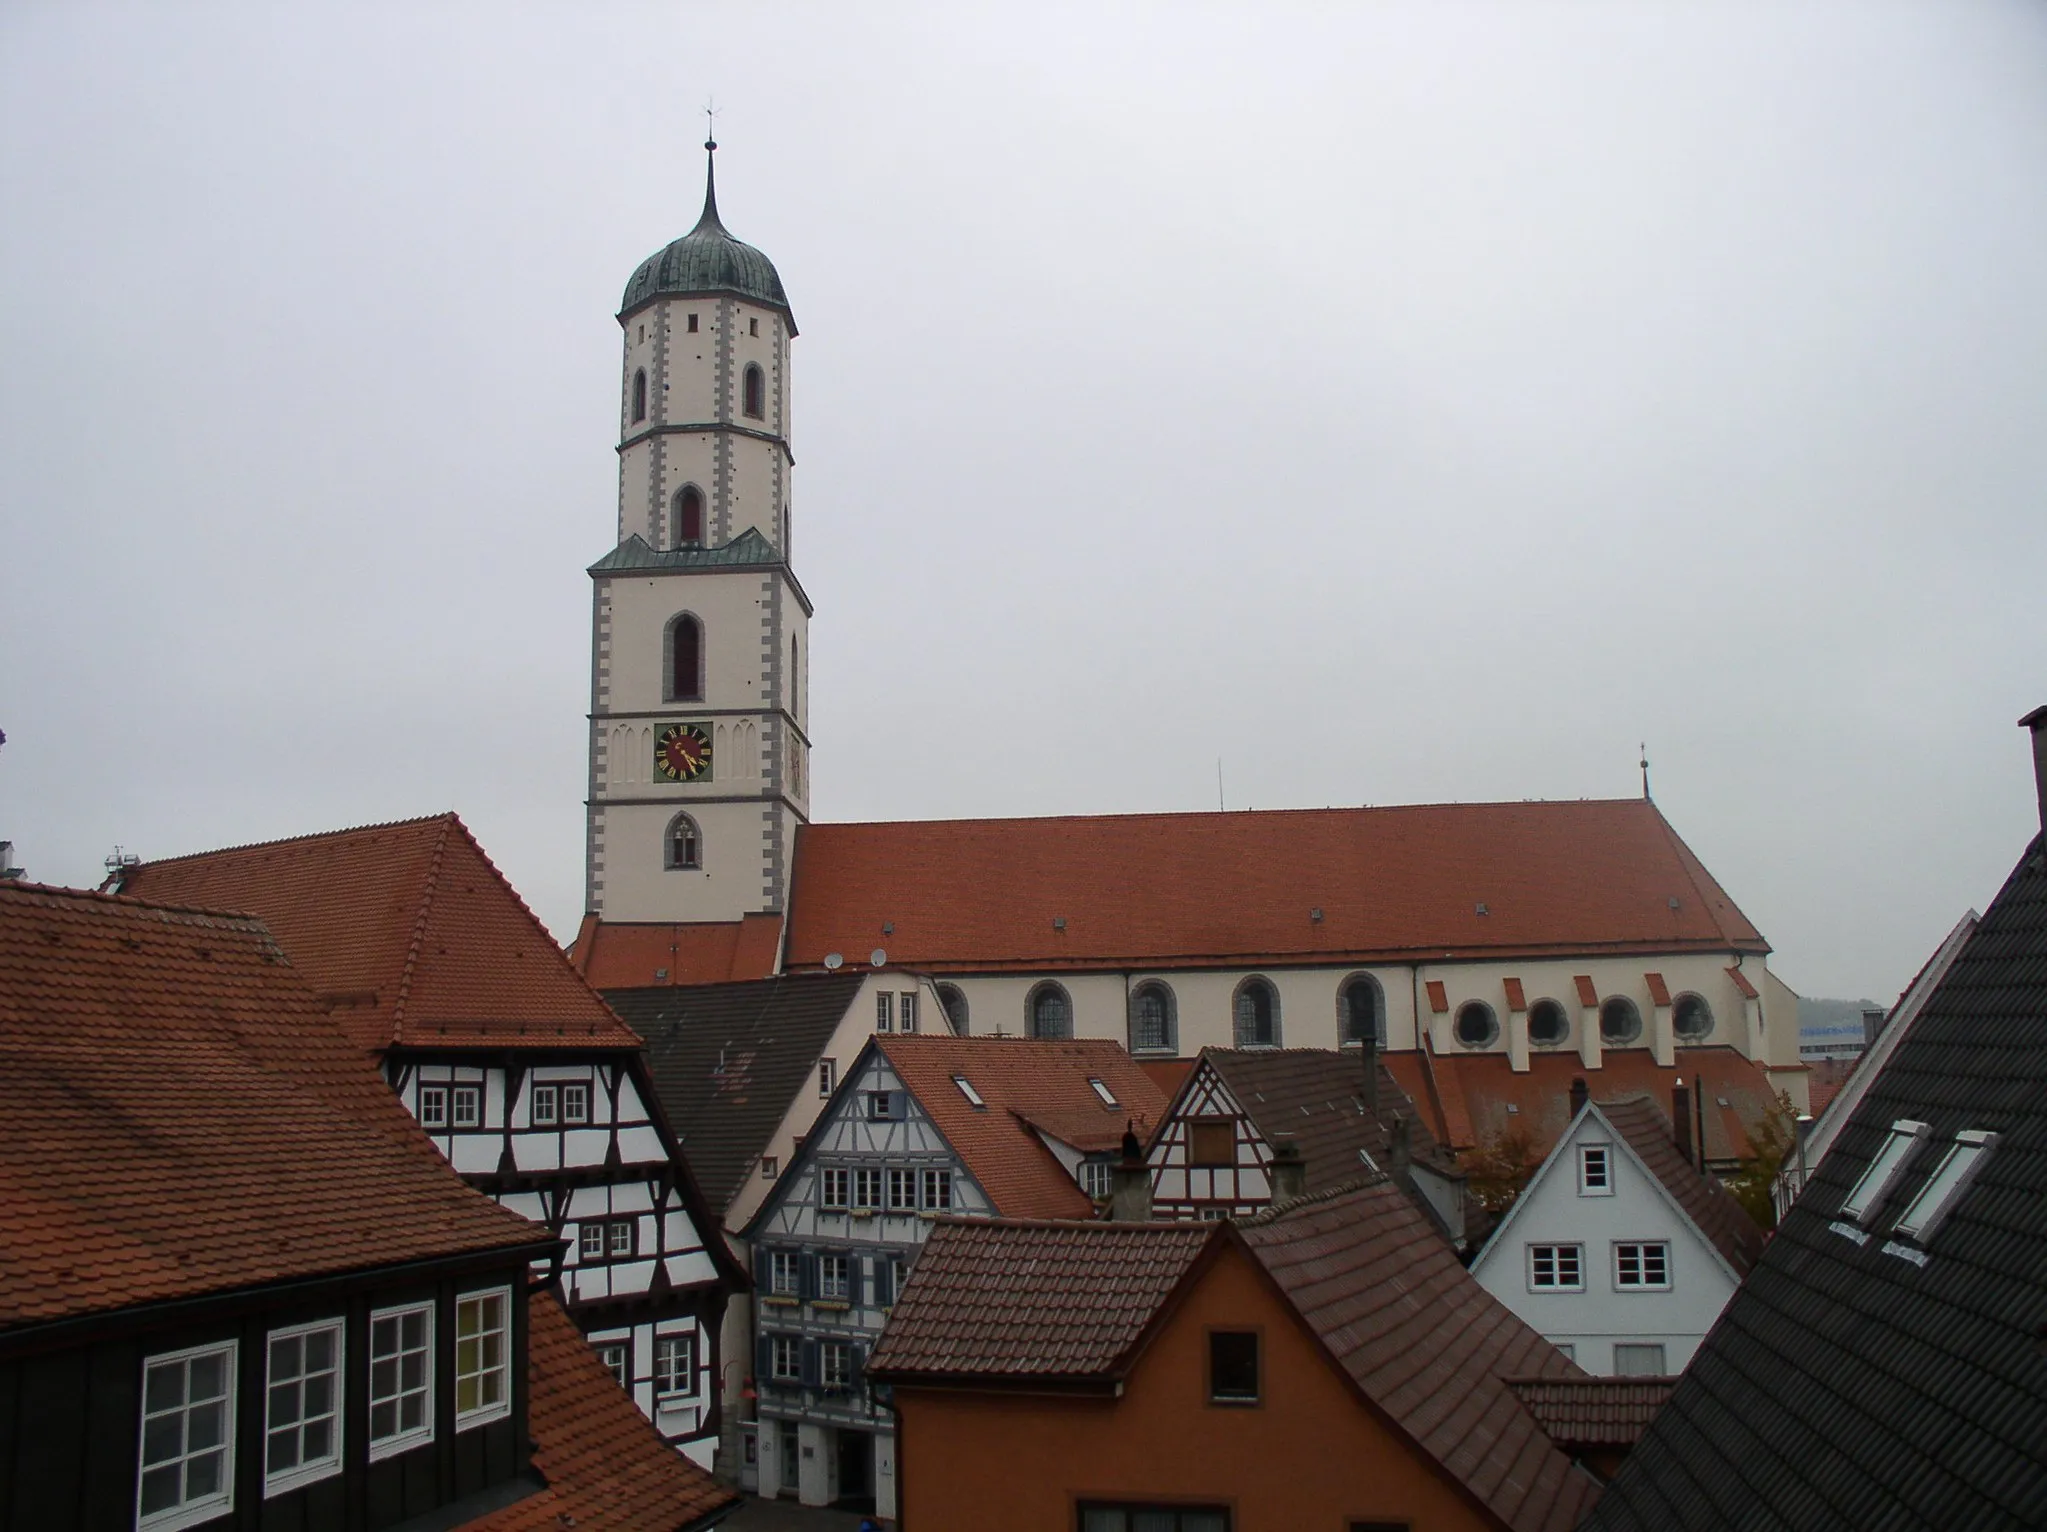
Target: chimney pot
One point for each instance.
(1681, 1118)
(1130, 1182)
(1289, 1171)
(2037, 722)
(1580, 1094)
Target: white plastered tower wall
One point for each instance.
(703, 420)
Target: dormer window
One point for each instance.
(1102, 1091)
(967, 1089)
(1945, 1186)
(1883, 1170)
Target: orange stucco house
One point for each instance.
(1326, 1367)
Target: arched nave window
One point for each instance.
(685, 660)
(689, 517)
(1257, 1014)
(639, 396)
(1050, 1013)
(1361, 1007)
(954, 1001)
(755, 402)
(1152, 1017)
(685, 847)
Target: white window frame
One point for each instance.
(1642, 1262)
(484, 1414)
(546, 1108)
(827, 1077)
(621, 1238)
(834, 1187)
(1662, 1359)
(1944, 1188)
(835, 1352)
(1884, 1170)
(792, 1347)
(974, 1097)
(884, 1010)
(433, 1106)
(940, 1178)
(588, 1233)
(623, 1349)
(900, 1176)
(401, 1441)
(465, 1095)
(320, 1468)
(839, 1290)
(780, 1262)
(867, 1178)
(1604, 1186)
(1555, 1251)
(1096, 1178)
(576, 1102)
(906, 1011)
(222, 1501)
(688, 1387)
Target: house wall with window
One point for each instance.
(1597, 1257)
(569, 1143)
(830, 1247)
(1304, 1451)
(379, 1400)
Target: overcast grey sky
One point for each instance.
(1403, 402)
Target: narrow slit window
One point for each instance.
(1868, 1194)
(639, 396)
(1945, 1186)
(686, 660)
(755, 401)
(689, 517)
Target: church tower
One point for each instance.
(698, 752)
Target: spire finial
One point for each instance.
(709, 217)
(1644, 747)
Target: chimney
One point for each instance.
(1873, 1025)
(1289, 1172)
(1130, 1183)
(1681, 1117)
(1402, 1153)
(1368, 1049)
(1579, 1096)
(2037, 722)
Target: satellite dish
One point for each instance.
(878, 958)
(833, 961)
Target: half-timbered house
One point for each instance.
(921, 1127)
(203, 1325)
(1334, 1115)
(519, 1073)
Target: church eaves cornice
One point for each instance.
(749, 550)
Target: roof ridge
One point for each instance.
(1231, 814)
(1686, 861)
(419, 920)
(105, 897)
(293, 840)
(1276, 1210)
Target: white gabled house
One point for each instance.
(1620, 1250)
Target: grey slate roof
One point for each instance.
(728, 1059)
(748, 549)
(1847, 1386)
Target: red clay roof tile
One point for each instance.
(1659, 992)
(1517, 997)
(604, 1463)
(407, 931)
(183, 1117)
(1593, 1412)
(1022, 1079)
(615, 955)
(988, 894)
(1588, 992)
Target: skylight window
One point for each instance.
(1883, 1170)
(967, 1089)
(1102, 1091)
(1945, 1186)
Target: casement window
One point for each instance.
(834, 1188)
(1233, 1366)
(1595, 1170)
(576, 1102)
(1638, 1361)
(906, 1011)
(546, 1106)
(835, 1364)
(937, 1190)
(834, 1278)
(867, 1188)
(884, 1011)
(1094, 1178)
(433, 1106)
(675, 1365)
(401, 1379)
(1640, 1266)
(783, 1273)
(1945, 1186)
(302, 1405)
(827, 1077)
(1102, 1516)
(1556, 1268)
(1211, 1141)
(1884, 1170)
(468, 1106)
(616, 1356)
(590, 1239)
(881, 1105)
(483, 1357)
(785, 1359)
(902, 1190)
(188, 1435)
(601, 1239)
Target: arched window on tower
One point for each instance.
(639, 396)
(685, 660)
(684, 848)
(689, 517)
(755, 401)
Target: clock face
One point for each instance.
(683, 753)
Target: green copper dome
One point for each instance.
(707, 260)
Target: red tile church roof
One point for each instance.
(1234, 890)
(408, 933)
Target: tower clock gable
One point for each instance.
(698, 753)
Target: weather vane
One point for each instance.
(711, 124)
(1645, 771)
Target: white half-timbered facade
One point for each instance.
(570, 1143)
(1208, 1161)
(831, 1247)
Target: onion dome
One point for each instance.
(707, 260)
